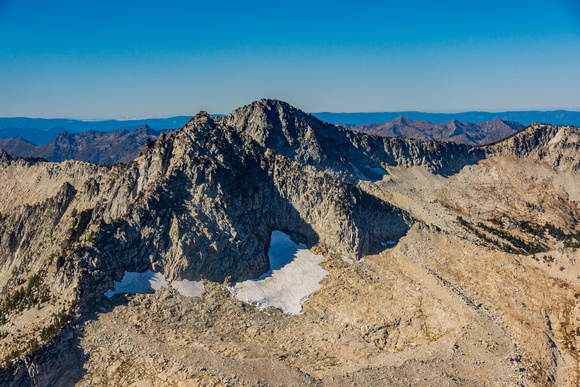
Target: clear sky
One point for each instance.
(137, 59)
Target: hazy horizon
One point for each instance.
(314, 113)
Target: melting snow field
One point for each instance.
(294, 274)
(148, 282)
(361, 176)
(379, 171)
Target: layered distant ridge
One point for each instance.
(384, 260)
(453, 131)
(92, 146)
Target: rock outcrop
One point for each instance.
(203, 203)
(557, 146)
(346, 154)
(427, 246)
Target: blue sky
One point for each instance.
(120, 59)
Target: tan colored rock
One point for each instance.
(480, 285)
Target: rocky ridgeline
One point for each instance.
(202, 203)
(557, 146)
(290, 132)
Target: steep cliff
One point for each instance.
(199, 204)
(203, 203)
(346, 154)
(419, 240)
(557, 146)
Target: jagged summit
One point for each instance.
(276, 125)
(559, 146)
(290, 132)
(434, 272)
(240, 193)
(146, 129)
(202, 116)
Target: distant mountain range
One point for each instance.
(454, 131)
(92, 146)
(124, 145)
(41, 131)
(555, 117)
(115, 141)
(77, 126)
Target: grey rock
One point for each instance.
(290, 132)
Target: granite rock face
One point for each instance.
(346, 154)
(201, 204)
(558, 146)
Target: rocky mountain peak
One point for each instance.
(64, 136)
(143, 129)
(276, 125)
(4, 156)
(202, 116)
(293, 133)
(274, 116)
(204, 203)
(559, 146)
(401, 119)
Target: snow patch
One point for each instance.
(148, 282)
(294, 274)
(378, 171)
(388, 243)
(359, 174)
(133, 283)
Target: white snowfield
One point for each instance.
(148, 282)
(294, 274)
(361, 176)
(379, 171)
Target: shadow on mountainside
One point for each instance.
(293, 133)
(59, 362)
